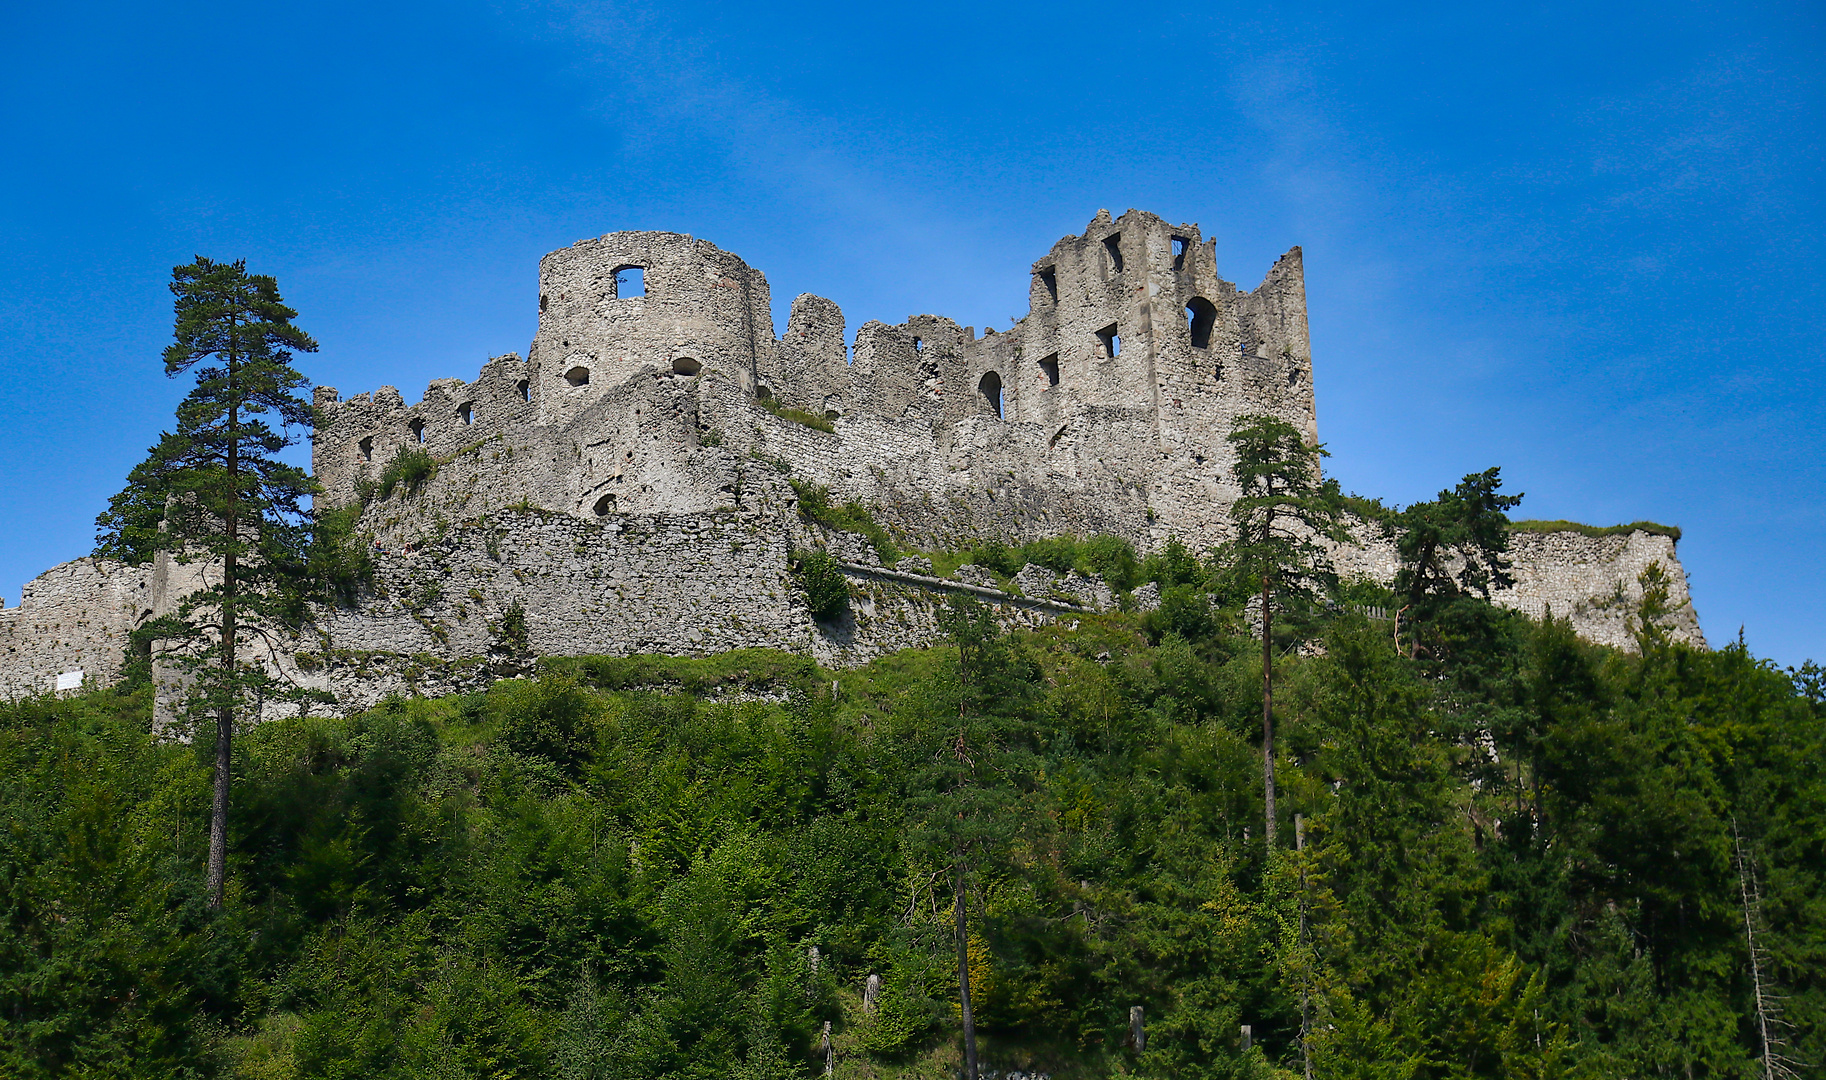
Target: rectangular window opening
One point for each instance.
(1050, 366)
(1112, 247)
(1180, 246)
(1049, 278)
(1111, 339)
(630, 281)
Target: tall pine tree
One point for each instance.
(1284, 516)
(214, 492)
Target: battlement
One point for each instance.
(655, 361)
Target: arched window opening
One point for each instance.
(605, 505)
(1201, 319)
(418, 430)
(630, 281)
(366, 446)
(1050, 366)
(685, 365)
(525, 388)
(466, 412)
(1112, 250)
(1180, 244)
(1049, 280)
(578, 376)
(1111, 340)
(991, 388)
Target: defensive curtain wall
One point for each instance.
(627, 484)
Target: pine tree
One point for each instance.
(1283, 517)
(215, 492)
(967, 793)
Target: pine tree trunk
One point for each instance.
(963, 978)
(1267, 713)
(225, 714)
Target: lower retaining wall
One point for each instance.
(438, 622)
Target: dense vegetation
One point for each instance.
(1522, 856)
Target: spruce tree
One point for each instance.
(215, 492)
(1283, 517)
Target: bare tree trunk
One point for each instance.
(225, 713)
(963, 978)
(1774, 1065)
(1267, 712)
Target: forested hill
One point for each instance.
(1520, 857)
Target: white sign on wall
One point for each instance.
(70, 680)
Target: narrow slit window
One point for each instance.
(630, 281)
(418, 430)
(526, 390)
(1180, 244)
(1111, 340)
(1201, 318)
(1112, 247)
(991, 389)
(1049, 280)
(366, 446)
(1050, 366)
(918, 346)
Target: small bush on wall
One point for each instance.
(827, 593)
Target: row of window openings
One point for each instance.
(630, 282)
(1112, 251)
(465, 414)
(684, 365)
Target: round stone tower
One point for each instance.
(628, 301)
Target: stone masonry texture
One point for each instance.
(628, 484)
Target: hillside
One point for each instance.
(1520, 862)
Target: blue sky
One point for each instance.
(1580, 241)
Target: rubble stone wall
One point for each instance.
(630, 482)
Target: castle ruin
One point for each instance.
(627, 484)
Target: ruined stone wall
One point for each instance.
(1104, 410)
(73, 617)
(1594, 581)
(629, 482)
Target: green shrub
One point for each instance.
(1114, 558)
(340, 563)
(754, 669)
(412, 467)
(827, 591)
(852, 517)
(797, 416)
(549, 718)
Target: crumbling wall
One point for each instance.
(1595, 581)
(75, 617)
(628, 482)
(1592, 581)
